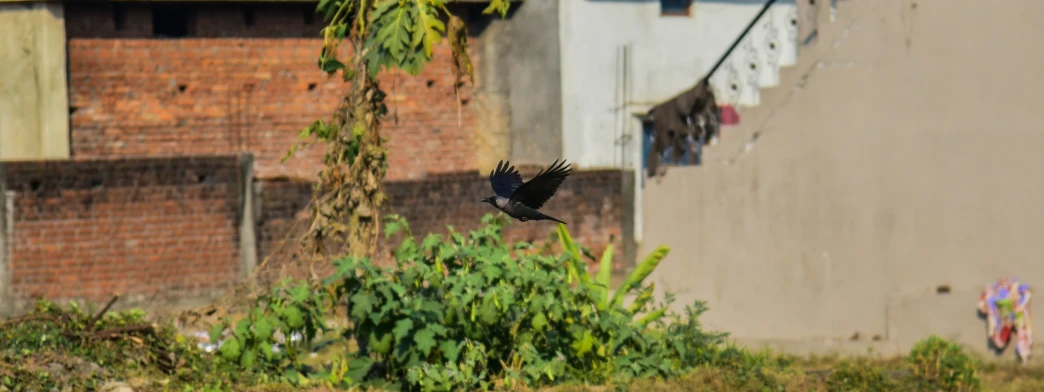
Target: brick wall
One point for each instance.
(590, 202)
(244, 78)
(168, 227)
(141, 227)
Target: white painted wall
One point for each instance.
(667, 54)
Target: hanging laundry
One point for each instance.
(1006, 306)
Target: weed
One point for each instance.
(859, 376)
(942, 364)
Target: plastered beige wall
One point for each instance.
(904, 152)
(34, 110)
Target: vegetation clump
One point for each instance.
(74, 349)
(941, 364)
(471, 311)
(464, 311)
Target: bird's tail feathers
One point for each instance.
(548, 217)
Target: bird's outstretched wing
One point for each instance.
(539, 189)
(505, 179)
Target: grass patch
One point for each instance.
(71, 349)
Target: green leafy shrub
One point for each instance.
(460, 311)
(255, 344)
(469, 307)
(941, 364)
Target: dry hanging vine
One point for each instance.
(381, 35)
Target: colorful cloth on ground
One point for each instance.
(1006, 305)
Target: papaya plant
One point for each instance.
(382, 35)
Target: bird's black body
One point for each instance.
(520, 200)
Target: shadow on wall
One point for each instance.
(214, 20)
(733, 2)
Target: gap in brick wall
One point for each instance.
(171, 21)
(308, 13)
(211, 19)
(119, 17)
(248, 16)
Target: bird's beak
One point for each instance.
(482, 200)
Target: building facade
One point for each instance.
(141, 142)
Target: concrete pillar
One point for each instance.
(6, 224)
(247, 216)
(629, 243)
(34, 103)
(492, 138)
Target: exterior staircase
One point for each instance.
(758, 78)
(756, 63)
(756, 70)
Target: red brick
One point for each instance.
(67, 243)
(592, 216)
(246, 89)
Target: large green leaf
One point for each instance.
(652, 316)
(293, 317)
(575, 260)
(539, 322)
(216, 332)
(639, 274)
(605, 268)
(230, 348)
(358, 368)
(247, 360)
(402, 328)
(425, 340)
(403, 34)
(428, 29)
(500, 6)
(263, 329)
(643, 298)
(584, 344)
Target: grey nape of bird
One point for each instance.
(523, 200)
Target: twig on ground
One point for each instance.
(94, 320)
(113, 332)
(27, 318)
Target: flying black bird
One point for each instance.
(522, 200)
